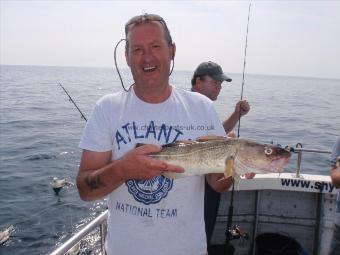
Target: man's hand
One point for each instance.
(249, 175)
(335, 173)
(98, 176)
(218, 183)
(138, 165)
(243, 107)
(231, 134)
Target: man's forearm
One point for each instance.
(230, 123)
(95, 184)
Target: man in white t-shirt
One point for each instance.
(148, 213)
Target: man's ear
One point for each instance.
(198, 81)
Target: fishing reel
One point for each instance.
(227, 248)
(236, 233)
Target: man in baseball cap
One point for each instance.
(212, 69)
(207, 80)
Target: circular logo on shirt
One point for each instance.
(150, 191)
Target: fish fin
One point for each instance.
(230, 171)
(210, 138)
(222, 179)
(229, 167)
(178, 143)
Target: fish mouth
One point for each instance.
(275, 165)
(278, 164)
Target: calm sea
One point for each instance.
(40, 131)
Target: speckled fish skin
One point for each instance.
(212, 156)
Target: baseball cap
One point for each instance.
(213, 70)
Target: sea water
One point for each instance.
(40, 131)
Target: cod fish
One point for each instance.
(231, 156)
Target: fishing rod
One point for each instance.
(235, 233)
(72, 101)
(244, 68)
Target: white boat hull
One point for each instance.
(302, 208)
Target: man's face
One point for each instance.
(149, 55)
(208, 87)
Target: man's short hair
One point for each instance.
(147, 18)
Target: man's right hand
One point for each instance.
(98, 176)
(138, 165)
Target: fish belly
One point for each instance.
(197, 168)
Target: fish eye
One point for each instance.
(268, 151)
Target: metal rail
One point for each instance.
(312, 150)
(299, 149)
(99, 221)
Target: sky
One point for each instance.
(295, 38)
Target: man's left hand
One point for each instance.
(242, 107)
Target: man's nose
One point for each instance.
(147, 54)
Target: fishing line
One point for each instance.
(244, 67)
(229, 249)
(115, 58)
(120, 77)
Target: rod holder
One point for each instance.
(298, 166)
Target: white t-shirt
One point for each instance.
(158, 216)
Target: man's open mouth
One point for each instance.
(149, 69)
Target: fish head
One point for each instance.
(261, 158)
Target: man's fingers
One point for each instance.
(231, 134)
(147, 149)
(174, 168)
(155, 164)
(249, 175)
(244, 107)
(162, 166)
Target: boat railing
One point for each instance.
(299, 150)
(100, 221)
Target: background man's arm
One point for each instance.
(217, 182)
(335, 173)
(230, 123)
